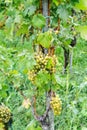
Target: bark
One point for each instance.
(45, 127)
(48, 122)
(45, 13)
(51, 120)
(50, 113)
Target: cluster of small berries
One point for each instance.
(56, 105)
(5, 114)
(43, 63)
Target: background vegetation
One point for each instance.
(21, 24)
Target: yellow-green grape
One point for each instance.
(51, 62)
(44, 63)
(36, 67)
(54, 60)
(47, 57)
(39, 57)
(5, 114)
(31, 75)
(56, 105)
(53, 70)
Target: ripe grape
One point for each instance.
(5, 114)
(43, 63)
(56, 105)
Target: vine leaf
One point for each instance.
(45, 39)
(23, 29)
(63, 13)
(55, 2)
(82, 5)
(42, 79)
(38, 21)
(83, 31)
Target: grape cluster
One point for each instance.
(5, 114)
(56, 105)
(43, 63)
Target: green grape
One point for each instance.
(56, 105)
(5, 114)
(43, 63)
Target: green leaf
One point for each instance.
(49, 63)
(42, 79)
(31, 126)
(4, 87)
(63, 12)
(82, 5)
(67, 42)
(9, 22)
(3, 94)
(38, 21)
(45, 39)
(74, 1)
(38, 128)
(83, 31)
(32, 10)
(23, 29)
(55, 2)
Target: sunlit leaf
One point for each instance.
(83, 31)
(8, 1)
(82, 5)
(56, 2)
(23, 29)
(45, 39)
